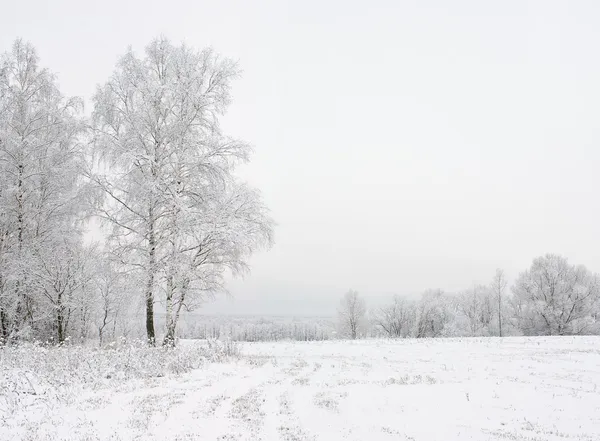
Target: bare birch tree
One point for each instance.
(62, 283)
(351, 314)
(110, 285)
(40, 161)
(475, 307)
(177, 212)
(499, 284)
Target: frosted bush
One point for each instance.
(222, 350)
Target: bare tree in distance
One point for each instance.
(499, 284)
(554, 297)
(396, 319)
(433, 314)
(475, 307)
(351, 313)
(110, 284)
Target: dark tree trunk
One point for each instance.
(101, 328)
(150, 286)
(150, 311)
(60, 319)
(61, 335)
(3, 326)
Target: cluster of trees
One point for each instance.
(553, 297)
(152, 163)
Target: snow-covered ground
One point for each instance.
(446, 389)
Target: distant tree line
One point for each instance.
(152, 164)
(257, 329)
(552, 297)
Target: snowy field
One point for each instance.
(446, 389)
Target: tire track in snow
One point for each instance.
(256, 414)
(296, 377)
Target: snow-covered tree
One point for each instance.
(40, 161)
(63, 282)
(476, 311)
(209, 237)
(396, 319)
(177, 212)
(6, 299)
(112, 290)
(556, 298)
(498, 287)
(351, 314)
(433, 315)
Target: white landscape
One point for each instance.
(516, 388)
(284, 220)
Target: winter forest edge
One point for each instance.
(153, 168)
(151, 163)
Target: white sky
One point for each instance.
(401, 145)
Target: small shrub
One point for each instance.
(223, 350)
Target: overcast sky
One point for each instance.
(401, 145)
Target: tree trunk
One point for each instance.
(60, 319)
(59, 322)
(150, 310)
(499, 315)
(169, 339)
(20, 226)
(101, 328)
(3, 317)
(150, 286)
(114, 327)
(499, 318)
(174, 319)
(3, 326)
(172, 282)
